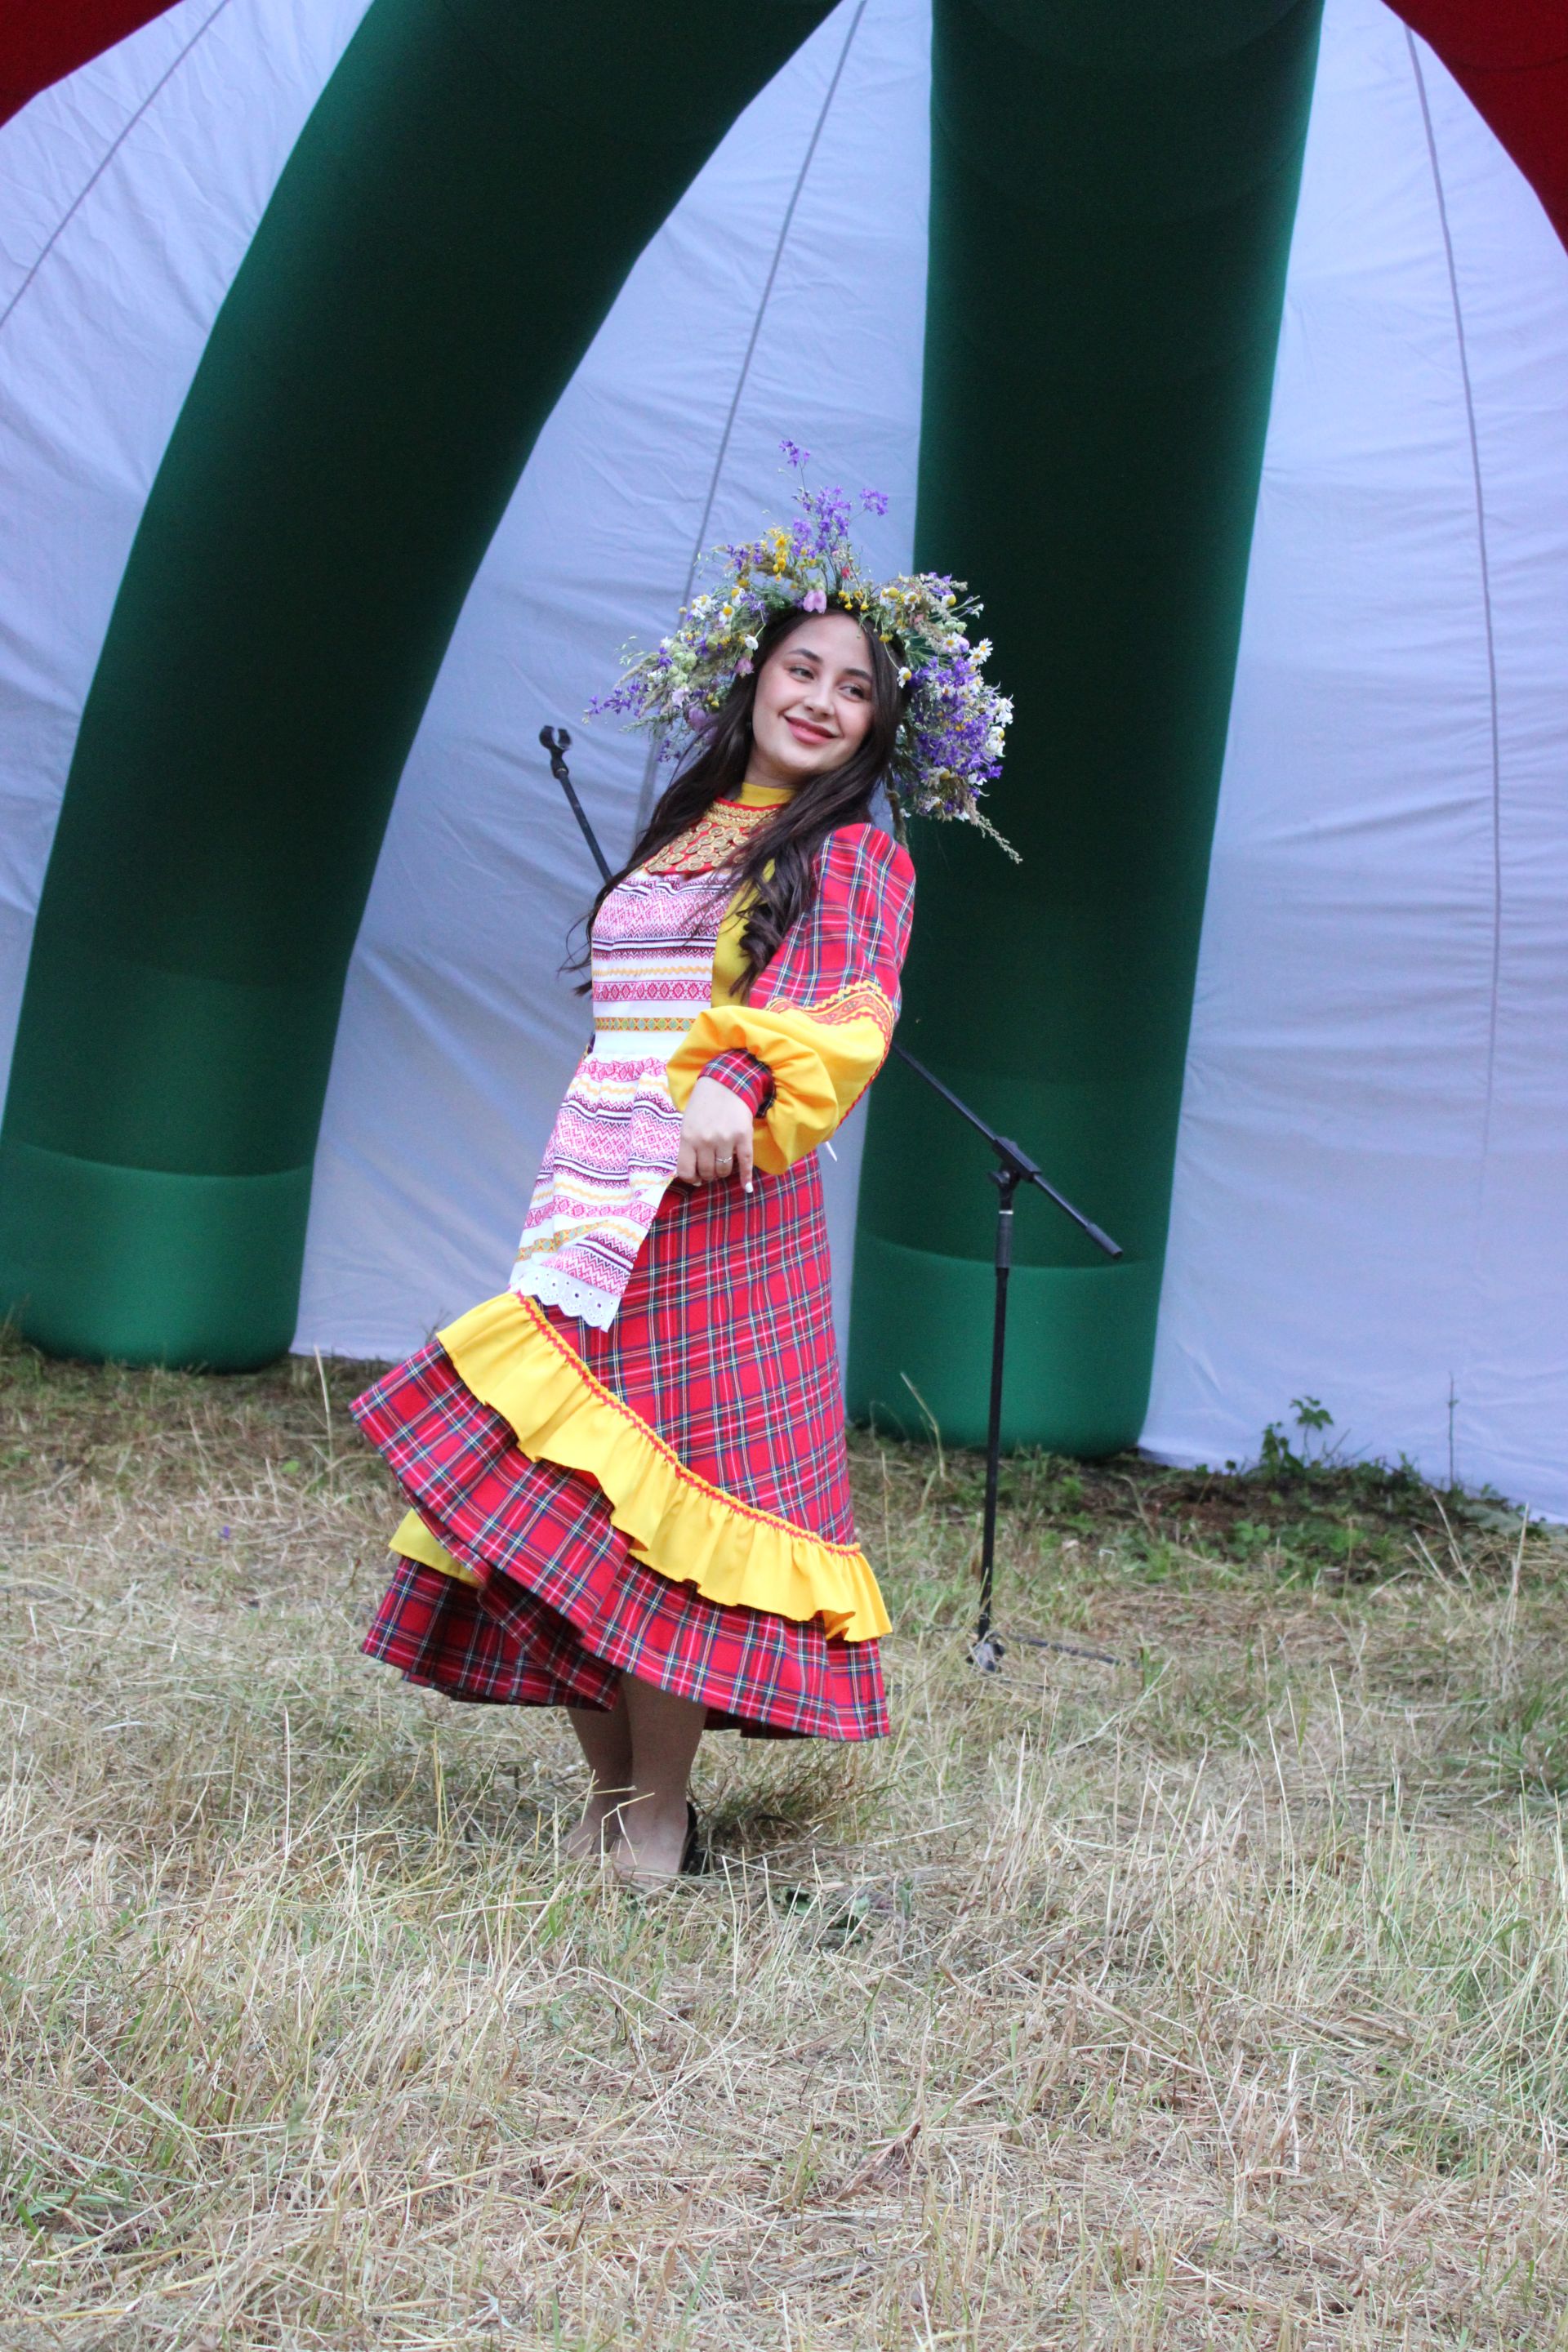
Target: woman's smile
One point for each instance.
(812, 704)
(806, 730)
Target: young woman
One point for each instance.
(628, 1473)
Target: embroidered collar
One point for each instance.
(714, 841)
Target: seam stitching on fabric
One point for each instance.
(1484, 562)
(861, 1000)
(651, 765)
(109, 153)
(1483, 558)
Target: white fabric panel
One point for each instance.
(1372, 1175)
(129, 193)
(458, 1033)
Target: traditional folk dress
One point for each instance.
(633, 1460)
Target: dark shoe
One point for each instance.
(693, 1853)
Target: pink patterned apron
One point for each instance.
(612, 1152)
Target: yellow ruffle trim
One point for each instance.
(507, 1353)
(414, 1540)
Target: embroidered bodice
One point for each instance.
(814, 1027)
(718, 839)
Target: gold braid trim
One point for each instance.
(861, 1000)
(711, 842)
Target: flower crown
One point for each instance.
(950, 740)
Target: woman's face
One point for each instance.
(813, 702)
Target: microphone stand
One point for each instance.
(557, 742)
(1014, 1166)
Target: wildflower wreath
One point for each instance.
(951, 737)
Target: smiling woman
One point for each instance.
(813, 707)
(627, 1476)
(813, 700)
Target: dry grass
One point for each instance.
(1208, 1992)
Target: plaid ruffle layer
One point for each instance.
(563, 1610)
(722, 1345)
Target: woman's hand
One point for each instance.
(715, 1137)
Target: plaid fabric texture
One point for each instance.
(744, 1076)
(724, 1345)
(853, 936)
(563, 1610)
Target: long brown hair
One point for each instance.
(789, 839)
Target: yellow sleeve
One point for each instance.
(821, 1017)
(822, 1062)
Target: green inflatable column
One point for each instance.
(1112, 195)
(457, 216)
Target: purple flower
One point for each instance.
(794, 454)
(952, 718)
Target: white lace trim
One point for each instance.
(552, 1288)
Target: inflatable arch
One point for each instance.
(420, 279)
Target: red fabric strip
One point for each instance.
(41, 41)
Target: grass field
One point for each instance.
(1197, 1981)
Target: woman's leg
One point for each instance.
(604, 1737)
(665, 1732)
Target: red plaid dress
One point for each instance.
(721, 1362)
